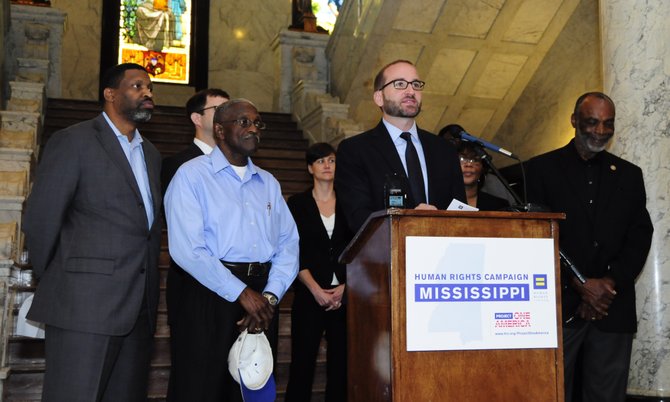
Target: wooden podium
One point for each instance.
(379, 366)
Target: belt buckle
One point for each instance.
(254, 269)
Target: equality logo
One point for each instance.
(539, 281)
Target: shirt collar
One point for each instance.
(395, 131)
(137, 138)
(219, 163)
(596, 159)
(204, 147)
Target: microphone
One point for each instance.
(467, 137)
(571, 266)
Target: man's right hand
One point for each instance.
(259, 311)
(597, 292)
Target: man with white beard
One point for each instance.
(607, 233)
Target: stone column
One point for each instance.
(636, 60)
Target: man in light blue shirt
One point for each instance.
(230, 229)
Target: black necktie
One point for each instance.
(414, 173)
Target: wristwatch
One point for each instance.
(272, 299)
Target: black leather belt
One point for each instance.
(248, 268)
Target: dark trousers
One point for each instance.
(605, 360)
(89, 367)
(202, 330)
(309, 321)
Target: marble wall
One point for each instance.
(540, 120)
(240, 57)
(4, 22)
(637, 74)
(80, 48)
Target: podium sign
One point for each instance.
(476, 293)
(454, 307)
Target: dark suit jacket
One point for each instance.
(318, 252)
(175, 273)
(87, 232)
(614, 242)
(364, 161)
(172, 163)
(488, 202)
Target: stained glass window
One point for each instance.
(157, 35)
(326, 12)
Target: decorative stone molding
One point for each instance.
(27, 97)
(32, 70)
(302, 81)
(7, 236)
(321, 116)
(11, 238)
(298, 56)
(16, 159)
(36, 34)
(19, 129)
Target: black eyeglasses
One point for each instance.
(246, 123)
(465, 160)
(202, 111)
(402, 84)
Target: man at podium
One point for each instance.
(425, 167)
(607, 234)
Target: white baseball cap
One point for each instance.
(250, 363)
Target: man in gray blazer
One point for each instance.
(93, 229)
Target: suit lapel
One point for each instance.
(153, 173)
(428, 156)
(315, 214)
(386, 148)
(111, 145)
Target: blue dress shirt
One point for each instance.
(135, 155)
(214, 215)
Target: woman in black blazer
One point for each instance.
(318, 305)
(474, 173)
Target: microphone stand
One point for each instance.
(486, 158)
(566, 262)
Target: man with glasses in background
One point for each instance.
(200, 110)
(426, 167)
(230, 229)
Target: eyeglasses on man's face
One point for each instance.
(402, 84)
(246, 123)
(202, 111)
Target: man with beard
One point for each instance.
(607, 234)
(231, 230)
(427, 167)
(93, 229)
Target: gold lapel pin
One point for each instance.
(612, 168)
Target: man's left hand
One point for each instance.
(259, 311)
(426, 207)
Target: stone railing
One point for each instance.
(302, 79)
(32, 71)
